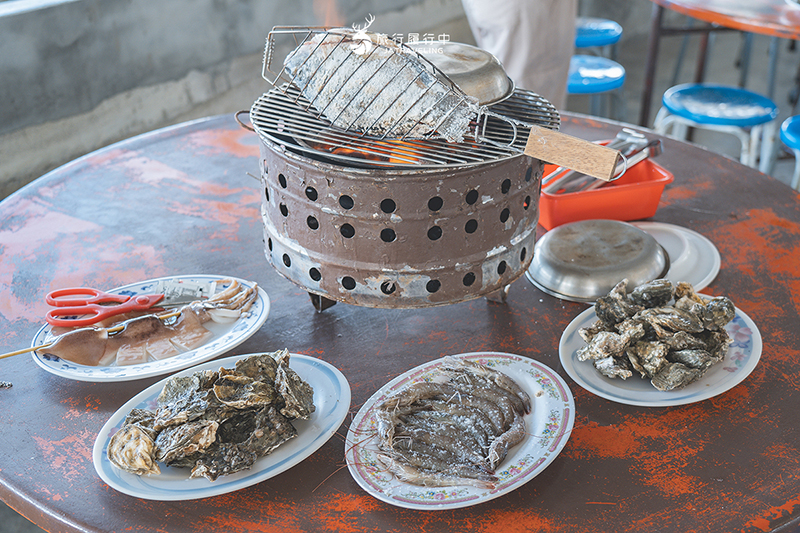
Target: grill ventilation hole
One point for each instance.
(435, 203)
(388, 287)
(388, 206)
(346, 202)
(388, 235)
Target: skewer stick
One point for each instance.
(114, 329)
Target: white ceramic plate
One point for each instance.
(693, 258)
(332, 401)
(742, 357)
(548, 428)
(226, 337)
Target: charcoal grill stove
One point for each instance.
(396, 223)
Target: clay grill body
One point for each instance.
(439, 223)
(399, 238)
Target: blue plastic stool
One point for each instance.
(749, 116)
(595, 76)
(790, 135)
(596, 33)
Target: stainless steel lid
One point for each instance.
(582, 261)
(475, 71)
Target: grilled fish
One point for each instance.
(366, 82)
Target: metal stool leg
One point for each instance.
(796, 178)
(769, 147)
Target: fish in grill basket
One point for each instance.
(366, 82)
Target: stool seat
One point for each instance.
(749, 116)
(790, 135)
(591, 32)
(719, 105)
(790, 132)
(593, 74)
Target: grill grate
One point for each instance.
(283, 117)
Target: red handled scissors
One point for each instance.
(85, 306)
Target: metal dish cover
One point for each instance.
(396, 238)
(475, 71)
(584, 260)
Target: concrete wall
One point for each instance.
(77, 75)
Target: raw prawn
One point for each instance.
(456, 432)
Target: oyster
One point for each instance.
(261, 367)
(719, 311)
(683, 340)
(215, 422)
(672, 345)
(648, 357)
(271, 429)
(685, 290)
(653, 293)
(604, 344)
(699, 359)
(183, 399)
(133, 450)
(222, 459)
(675, 376)
(177, 442)
(670, 319)
(612, 367)
(615, 306)
(297, 394)
(242, 392)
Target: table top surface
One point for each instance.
(779, 18)
(183, 200)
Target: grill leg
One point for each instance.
(500, 295)
(320, 302)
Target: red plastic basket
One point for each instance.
(634, 196)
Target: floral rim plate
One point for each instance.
(741, 359)
(548, 428)
(226, 337)
(332, 401)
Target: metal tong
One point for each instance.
(634, 147)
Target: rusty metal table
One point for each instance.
(776, 18)
(180, 201)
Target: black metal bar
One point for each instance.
(650, 69)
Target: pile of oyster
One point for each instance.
(668, 334)
(215, 422)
